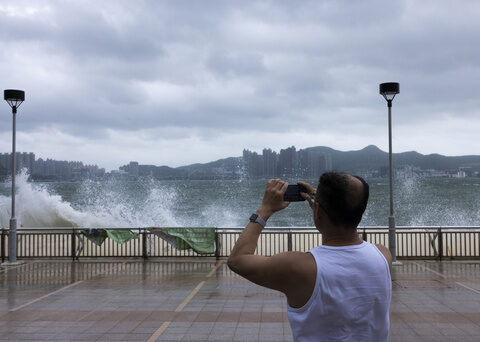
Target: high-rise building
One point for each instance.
(253, 164)
(132, 169)
(5, 166)
(22, 160)
(288, 162)
(269, 163)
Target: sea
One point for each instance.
(224, 203)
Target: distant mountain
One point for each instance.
(228, 168)
(368, 158)
(372, 158)
(312, 161)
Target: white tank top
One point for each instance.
(351, 299)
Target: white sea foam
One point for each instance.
(98, 206)
(423, 204)
(37, 207)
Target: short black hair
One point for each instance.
(339, 200)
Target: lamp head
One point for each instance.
(14, 97)
(389, 90)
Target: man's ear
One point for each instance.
(316, 208)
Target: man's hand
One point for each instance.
(273, 198)
(310, 196)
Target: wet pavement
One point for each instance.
(202, 300)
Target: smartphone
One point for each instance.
(293, 193)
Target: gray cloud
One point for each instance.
(197, 69)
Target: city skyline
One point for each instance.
(289, 161)
(48, 168)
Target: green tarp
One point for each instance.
(121, 236)
(201, 240)
(98, 236)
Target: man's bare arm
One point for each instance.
(265, 271)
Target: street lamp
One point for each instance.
(14, 98)
(389, 90)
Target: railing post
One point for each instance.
(144, 243)
(3, 245)
(440, 243)
(364, 235)
(289, 240)
(73, 244)
(217, 245)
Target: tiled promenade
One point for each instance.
(201, 300)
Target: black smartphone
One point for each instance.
(293, 193)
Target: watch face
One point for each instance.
(253, 217)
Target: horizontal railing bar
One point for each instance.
(279, 229)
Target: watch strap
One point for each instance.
(257, 219)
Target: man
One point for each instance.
(338, 291)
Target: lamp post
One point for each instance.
(14, 98)
(388, 91)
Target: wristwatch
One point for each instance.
(257, 219)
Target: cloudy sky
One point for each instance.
(180, 82)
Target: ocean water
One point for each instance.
(194, 203)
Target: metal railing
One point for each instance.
(412, 243)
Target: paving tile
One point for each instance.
(228, 317)
(137, 337)
(245, 337)
(158, 316)
(250, 316)
(201, 327)
(144, 330)
(86, 337)
(207, 316)
(124, 327)
(273, 317)
(220, 337)
(185, 316)
(171, 337)
(449, 339)
(425, 329)
(469, 329)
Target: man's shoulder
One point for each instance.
(307, 256)
(295, 256)
(295, 262)
(300, 262)
(386, 253)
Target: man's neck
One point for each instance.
(345, 238)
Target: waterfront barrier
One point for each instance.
(431, 242)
